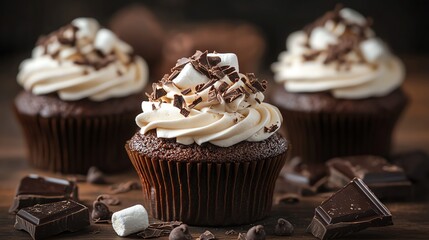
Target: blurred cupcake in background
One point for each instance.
(82, 86)
(140, 27)
(341, 88)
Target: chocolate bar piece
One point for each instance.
(45, 220)
(386, 180)
(351, 209)
(34, 189)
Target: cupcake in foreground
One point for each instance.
(341, 91)
(81, 87)
(208, 151)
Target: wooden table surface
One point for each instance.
(411, 218)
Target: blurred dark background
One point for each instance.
(403, 24)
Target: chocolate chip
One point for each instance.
(95, 176)
(100, 211)
(283, 227)
(256, 233)
(108, 199)
(207, 235)
(180, 233)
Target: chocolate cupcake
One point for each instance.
(341, 91)
(207, 152)
(81, 87)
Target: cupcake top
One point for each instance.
(206, 99)
(339, 53)
(82, 60)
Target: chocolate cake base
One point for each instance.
(207, 185)
(70, 137)
(322, 127)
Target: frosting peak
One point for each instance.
(82, 60)
(340, 53)
(206, 99)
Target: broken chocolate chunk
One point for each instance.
(179, 101)
(159, 229)
(213, 61)
(271, 128)
(349, 210)
(386, 180)
(184, 112)
(230, 232)
(45, 220)
(159, 92)
(34, 189)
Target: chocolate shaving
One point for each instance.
(207, 85)
(260, 86)
(125, 187)
(161, 229)
(230, 232)
(108, 199)
(173, 75)
(223, 87)
(217, 72)
(258, 101)
(179, 101)
(184, 112)
(195, 102)
(271, 128)
(159, 92)
(180, 64)
(186, 91)
(153, 107)
(311, 56)
(212, 94)
(207, 235)
(213, 61)
(199, 86)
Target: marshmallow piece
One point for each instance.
(226, 59)
(372, 49)
(105, 41)
(189, 77)
(87, 27)
(130, 220)
(352, 16)
(320, 38)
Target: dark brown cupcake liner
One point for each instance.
(320, 136)
(74, 144)
(207, 193)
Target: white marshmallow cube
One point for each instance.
(105, 41)
(227, 59)
(320, 38)
(130, 220)
(189, 77)
(88, 27)
(372, 49)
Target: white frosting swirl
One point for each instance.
(222, 122)
(367, 69)
(82, 60)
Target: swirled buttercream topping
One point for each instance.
(82, 60)
(339, 53)
(206, 99)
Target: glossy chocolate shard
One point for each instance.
(45, 220)
(386, 180)
(349, 210)
(34, 189)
